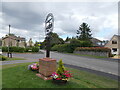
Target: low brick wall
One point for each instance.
(106, 54)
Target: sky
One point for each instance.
(27, 19)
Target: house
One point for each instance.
(30, 43)
(0, 42)
(13, 40)
(114, 44)
(98, 43)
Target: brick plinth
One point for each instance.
(43, 77)
(47, 66)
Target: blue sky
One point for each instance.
(27, 18)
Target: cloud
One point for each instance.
(27, 18)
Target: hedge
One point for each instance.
(20, 49)
(62, 48)
(96, 49)
(70, 47)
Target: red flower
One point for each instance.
(58, 78)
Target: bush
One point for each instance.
(62, 48)
(60, 70)
(35, 49)
(70, 47)
(27, 49)
(4, 49)
(13, 49)
(20, 49)
(17, 49)
(3, 58)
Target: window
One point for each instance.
(114, 49)
(98, 43)
(114, 42)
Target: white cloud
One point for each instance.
(27, 19)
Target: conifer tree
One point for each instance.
(61, 68)
(84, 32)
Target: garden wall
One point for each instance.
(95, 51)
(106, 54)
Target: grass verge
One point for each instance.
(18, 76)
(10, 59)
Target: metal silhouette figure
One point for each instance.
(49, 24)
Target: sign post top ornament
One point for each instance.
(49, 24)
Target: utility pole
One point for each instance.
(9, 53)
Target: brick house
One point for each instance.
(114, 44)
(13, 40)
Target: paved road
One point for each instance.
(85, 62)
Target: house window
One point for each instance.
(114, 42)
(98, 43)
(114, 49)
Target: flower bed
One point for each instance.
(61, 76)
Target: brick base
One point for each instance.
(43, 77)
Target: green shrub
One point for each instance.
(13, 49)
(3, 58)
(4, 49)
(60, 70)
(35, 49)
(17, 49)
(28, 49)
(20, 49)
(70, 47)
(62, 48)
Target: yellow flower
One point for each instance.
(64, 79)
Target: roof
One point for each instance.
(14, 37)
(95, 40)
(118, 39)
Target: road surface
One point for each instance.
(106, 66)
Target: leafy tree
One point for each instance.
(55, 40)
(84, 32)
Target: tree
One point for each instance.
(55, 40)
(84, 32)
(67, 39)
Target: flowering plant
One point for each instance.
(61, 73)
(64, 76)
(34, 66)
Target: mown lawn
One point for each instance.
(18, 76)
(9, 59)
